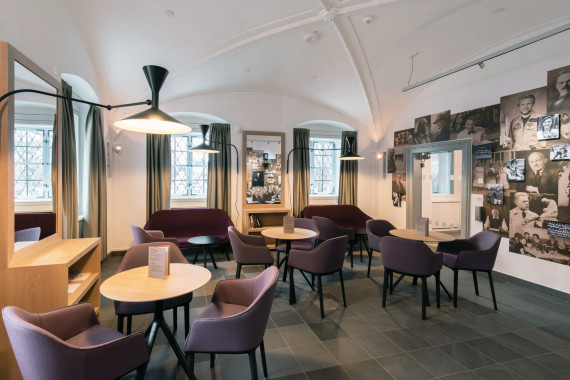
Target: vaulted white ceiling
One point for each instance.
(358, 64)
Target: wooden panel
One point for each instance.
(65, 252)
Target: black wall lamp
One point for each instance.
(152, 121)
(348, 156)
(207, 148)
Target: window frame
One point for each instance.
(335, 163)
(194, 138)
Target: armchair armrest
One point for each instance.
(476, 260)
(155, 233)
(68, 321)
(237, 292)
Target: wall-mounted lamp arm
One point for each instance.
(291, 151)
(109, 107)
(237, 154)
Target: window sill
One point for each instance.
(323, 196)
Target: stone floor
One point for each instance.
(527, 338)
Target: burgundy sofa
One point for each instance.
(45, 220)
(346, 216)
(185, 223)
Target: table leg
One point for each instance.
(286, 259)
(445, 289)
(197, 254)
(211, 256)
(159, 322)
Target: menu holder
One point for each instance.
(288, 224)
(158, 262)
(422, 226)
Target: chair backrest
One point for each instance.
(137, 256)
(140, 236)
(486, 240)
(379, 227)
(241, 244)
(29, 234)
(329, 229)
(328, 257)
(308, 224)
(409, 256)
(487, 243)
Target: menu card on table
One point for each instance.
(158, 262)
(288, 224)
(422, 226)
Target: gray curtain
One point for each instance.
(68, 167)
(95, 215)
(157, 173)
(301, 170)
(348, 181)
(54, 149)
(219, 168)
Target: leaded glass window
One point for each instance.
(32, 163)
(189, 176)
(324, 166)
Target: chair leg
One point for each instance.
(186, 319)
(129, 324)
(174, 318)
(492, 289)
(226, 251)
(120, 323)
(263, 362)
(292, 298)
(313, 280)
(342, 287)
(141, 370)
(350, 253)
(455, 280)
(212, 360)
(320, 285)
(360, 239)
(437, 289)
(369, 262)
(475, 283)
(238, 270)
(253, 364)
(385, 286)
(191, 356)
(391, 282)
(424, 297)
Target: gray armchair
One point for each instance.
(376, 229)
(249, 250)
(29, 234)
(69, 343)
(235, 321)
(142, 236)
(329, 229)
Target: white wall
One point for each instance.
(472, 88)
(244, 111)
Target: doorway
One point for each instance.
(439, 185)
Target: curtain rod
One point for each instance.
(496, 54)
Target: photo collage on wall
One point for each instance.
(521, 163)
(264, 177)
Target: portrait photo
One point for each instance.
(548, 127)
(405, 137)
(391, 161)
(559, 152)
(496, 219)
(421, 133)
(541, 174)
(399, 184)
(440, 129)
(516, 170)
(519, 119)
(558, 87)
(257, 178)
(397, 199)
(400, 159)
(481, 125)
(495, 194)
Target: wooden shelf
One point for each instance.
(64, 252)
(77, 295)
(268, 217)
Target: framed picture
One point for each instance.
(559, 152)
(515, 170)
(559, 229)
(495, 194)
(483, 152)
(548, 127)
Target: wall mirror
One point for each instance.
(263, 177)
(34, 153)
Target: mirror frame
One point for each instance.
(8, 56)
(246, 205)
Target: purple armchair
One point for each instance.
(327, 258)
(305, 244)
(69, 343)
(477, 254)
(137, 256)
(249, 250)
(235, 320)
(29, 234)
(376, 230)
(410, 257)
(143, 236)
(329, 230)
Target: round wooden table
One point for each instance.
(278, 233)
(432, 236)
(134, 285)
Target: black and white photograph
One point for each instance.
(519, 123)
(559, 229)
(482, 152)
(391, 161)
(400, 159)
(558, 84)
(495, 194)
(481, 125)
(405, 137)
(516, 170)
(397, 199)
(559, 152)
(421, 133)
(440, 129)
(496, 219)
(541, 174)
(488, 172)
(257, 178)
(548, 127)
(399, 184)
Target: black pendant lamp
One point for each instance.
(153, 120)
(204, 147)
(350, 155)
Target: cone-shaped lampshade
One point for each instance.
(204, 147)
(350, 155)
(153, 120)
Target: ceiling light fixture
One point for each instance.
(204, 147)
(153, 120)
(481, 65)
(312, 37)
